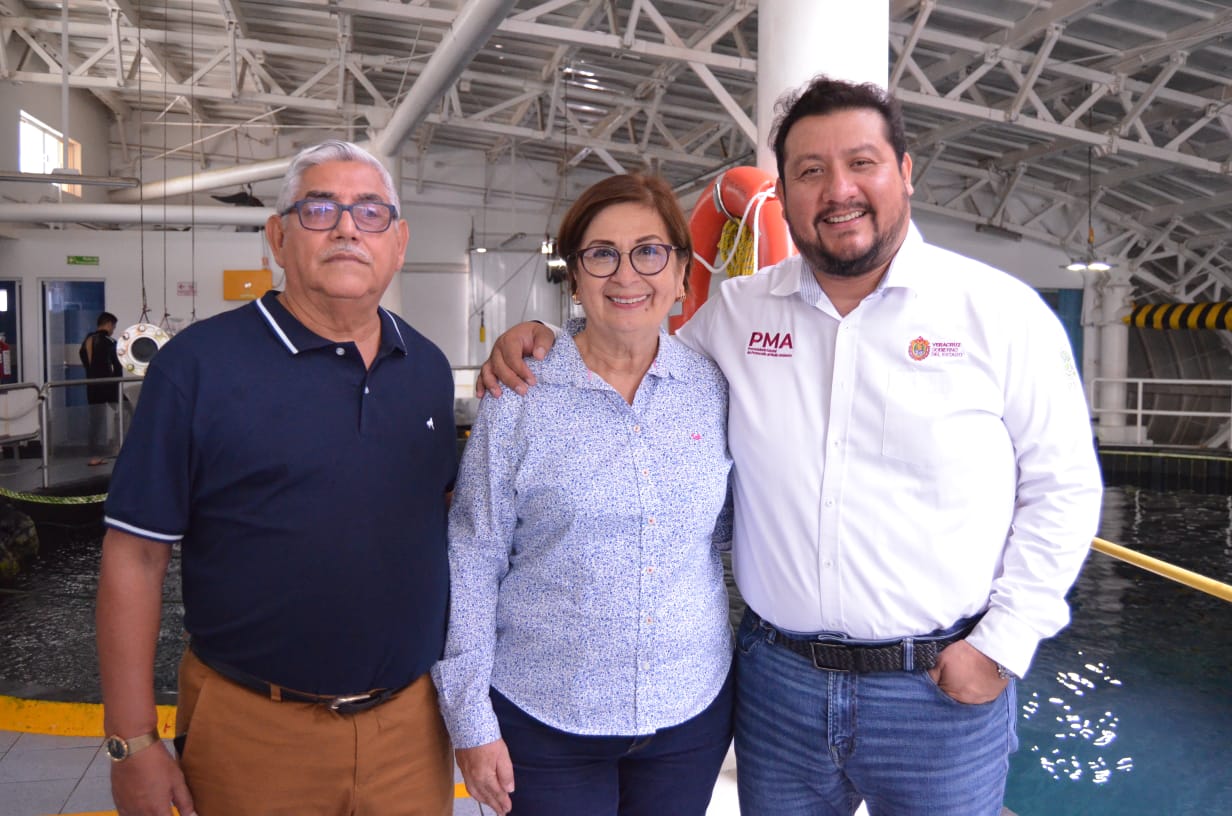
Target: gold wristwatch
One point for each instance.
(120, 749)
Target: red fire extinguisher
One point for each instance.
(6, 366)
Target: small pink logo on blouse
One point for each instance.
(696, 436)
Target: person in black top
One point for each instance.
(98, 355)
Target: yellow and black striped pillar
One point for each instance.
(1182, 316)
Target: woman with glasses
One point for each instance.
(586, 669)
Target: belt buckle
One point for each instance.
(337, 703)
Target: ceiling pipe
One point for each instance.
(202, 182)
(153, 215)
(466, 35)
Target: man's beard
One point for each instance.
(879, 253)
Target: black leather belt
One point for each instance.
(862, 657)
(342, 703)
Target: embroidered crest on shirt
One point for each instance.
(770, 344)
(919, 348)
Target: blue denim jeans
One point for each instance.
(668, 773)
(811, 742)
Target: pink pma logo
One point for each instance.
(770, 344)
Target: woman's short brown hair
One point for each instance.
(628, 188)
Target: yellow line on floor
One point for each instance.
(66, 719)
(86, 720)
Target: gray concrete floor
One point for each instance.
(42, 775)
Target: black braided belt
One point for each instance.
(831, 654)
(342, 704)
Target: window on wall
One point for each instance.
(42, 151)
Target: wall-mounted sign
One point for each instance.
(83, 260)
(185, 288)
(246, 284)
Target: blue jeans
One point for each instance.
(811, 742)
(671, 771)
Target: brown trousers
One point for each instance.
(246, 755)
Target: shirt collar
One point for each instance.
(297, 337)
(564, 364)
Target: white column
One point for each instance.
(1113, 361)
(798, 39)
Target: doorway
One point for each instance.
(70, 312)
(10, 331)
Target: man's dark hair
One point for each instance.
(824, 95)
(105, 318)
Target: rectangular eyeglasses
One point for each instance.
(321, 214)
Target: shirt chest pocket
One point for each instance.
(934, 417)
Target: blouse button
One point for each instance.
(340, 351)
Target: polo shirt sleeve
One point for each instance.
(1059, 490)
(481, 524)
(149, 492)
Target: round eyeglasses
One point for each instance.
(324, 214)
(646, 259)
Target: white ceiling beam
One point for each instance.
(733, 108)
(1146, 97)
(382, 9)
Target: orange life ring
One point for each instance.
(736, 194)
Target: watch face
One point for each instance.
(117, 748)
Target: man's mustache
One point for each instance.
(348, 250)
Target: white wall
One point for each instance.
(1041, 265)
(170, 258)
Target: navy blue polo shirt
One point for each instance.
(309, 492)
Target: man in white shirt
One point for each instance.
(915, 485)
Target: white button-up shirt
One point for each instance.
(925, 458)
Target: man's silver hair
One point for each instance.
(330, 151)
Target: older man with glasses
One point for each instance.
(300, 449)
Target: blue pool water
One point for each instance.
(1128, 712)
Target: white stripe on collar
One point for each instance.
(393, 323)
(269, 318)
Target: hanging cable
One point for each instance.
(139, 57)
(192, 179)
(162, 324)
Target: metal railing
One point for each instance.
(1216, 392)
(40, 401)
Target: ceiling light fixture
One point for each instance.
(1088, 262)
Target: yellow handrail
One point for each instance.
(1170, 571)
